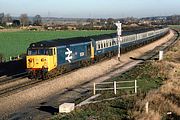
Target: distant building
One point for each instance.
(1, 17)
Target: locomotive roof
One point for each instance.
(59, 42)
(68, 41)
(76, 40)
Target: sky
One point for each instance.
(91, 8)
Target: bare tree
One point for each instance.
(1, 17)
(37, 20)
(24, 19)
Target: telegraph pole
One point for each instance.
(119, 38)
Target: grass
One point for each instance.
(115, 110)
(15, 43)
(148, 75)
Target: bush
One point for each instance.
(1, 58)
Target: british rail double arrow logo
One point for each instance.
(69, 56)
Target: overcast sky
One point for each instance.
(91, 8)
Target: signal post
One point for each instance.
(119, 38)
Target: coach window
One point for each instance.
(104, 44)
(101, 45)
(98, 46)
(107, 44)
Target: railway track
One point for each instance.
(15, 83)
(151, 55)
(14, 89)
(10, 85)
(5, 80)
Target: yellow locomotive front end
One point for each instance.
(40, 61)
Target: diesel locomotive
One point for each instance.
(50, 58)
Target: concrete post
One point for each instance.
(160, 55)
(94, 89)
(147, 107)
(135, 86)
(115, 87)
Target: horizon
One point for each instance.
(91, 9)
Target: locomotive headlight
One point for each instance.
(30, 60)
(43, 59)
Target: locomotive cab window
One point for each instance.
(40, 52)
(32, 51)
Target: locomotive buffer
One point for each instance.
(119, 38)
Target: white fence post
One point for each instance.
(115, 87)
(94, 90)
(135, 86)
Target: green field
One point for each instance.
(16, 43)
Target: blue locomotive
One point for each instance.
(50, 58)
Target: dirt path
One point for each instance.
(30, 96)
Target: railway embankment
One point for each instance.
(99, 72)
(158, 85)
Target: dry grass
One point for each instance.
(167, 97)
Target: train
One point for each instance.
(47, 59)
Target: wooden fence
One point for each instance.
(115, 88)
